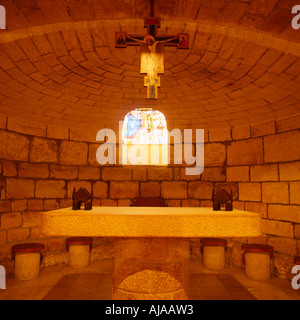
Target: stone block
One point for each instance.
(53, 258)
(173, 203)
(56, 132)
(116, 174)
(9, 169)
(35, 205)
(2, 237)
(124, 190)
(150, 189)
(3, 121)
(18, 205)
(237, 256)
(32, 170)
(249, 191)
(31, 219)
(51, 204)
(43, 150)
(19, 188)
(284, 212)
(139, 174)
(239, 205)
(245, 152)
(241, 132)
(258, 207)
(240, 173)
(297, 231)
(157, 173)
(264, 173)
(294, 192)
(100, 190)
(277, 228)
(65, 203)
(92, 160)
(73, 153)
(124, 202)
(282, 147)
(190, 203)
(214, 154)
(18, 234)
(47, 189)
(289, 171)
(56, 244)
(213, 174)
(89, 173)
(262, 129)
(174, 190)
(200, 190)
(63, 172)
(34, 129)
(275, 192)
(13, 146)
(11, 220)
(220, 135)
(187, 177)
(109, 203)
(288, 124)
(86, 135)
(4, 206)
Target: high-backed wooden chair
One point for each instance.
(148, 202)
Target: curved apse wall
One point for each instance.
(259, 163)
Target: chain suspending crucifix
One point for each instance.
(152, 50)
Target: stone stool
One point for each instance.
(257, 260)
(214, 253)
(79, 251)
(27, 258)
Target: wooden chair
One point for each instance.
(148, 202)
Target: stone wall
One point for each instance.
(259, 163)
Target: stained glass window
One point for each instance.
(145, 138)
(145, 126)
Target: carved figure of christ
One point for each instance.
(152, 62)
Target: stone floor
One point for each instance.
(61, 282)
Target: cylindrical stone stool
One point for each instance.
(27, 258)
(79, 251)
(214, 253)
(257, 260)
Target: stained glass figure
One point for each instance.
(145, 126)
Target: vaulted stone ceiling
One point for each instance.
(59, 66)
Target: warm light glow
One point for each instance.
(146, 131)
(145, 126)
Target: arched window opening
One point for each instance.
(145, 126)
(145, 138)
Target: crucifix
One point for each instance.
(151, 50)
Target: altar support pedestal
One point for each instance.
(151, 269)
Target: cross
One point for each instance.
(151, 50)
